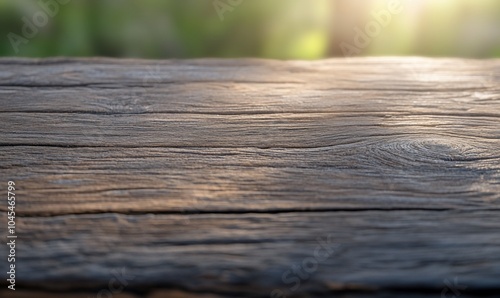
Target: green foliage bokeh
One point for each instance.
(283, 29)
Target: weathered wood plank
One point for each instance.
(380, 85)
(381, 173)
(420, 73)
(247, 98)
(408, 251)
(282, 130)
(214, 176)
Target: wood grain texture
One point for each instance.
(210, 178)
(406, 251)
(364, 175)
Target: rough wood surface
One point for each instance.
(211, 178)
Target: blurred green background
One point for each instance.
(283, 29)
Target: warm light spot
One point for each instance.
(309, 46)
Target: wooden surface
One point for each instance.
(212, 178)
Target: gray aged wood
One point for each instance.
(212, 178)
